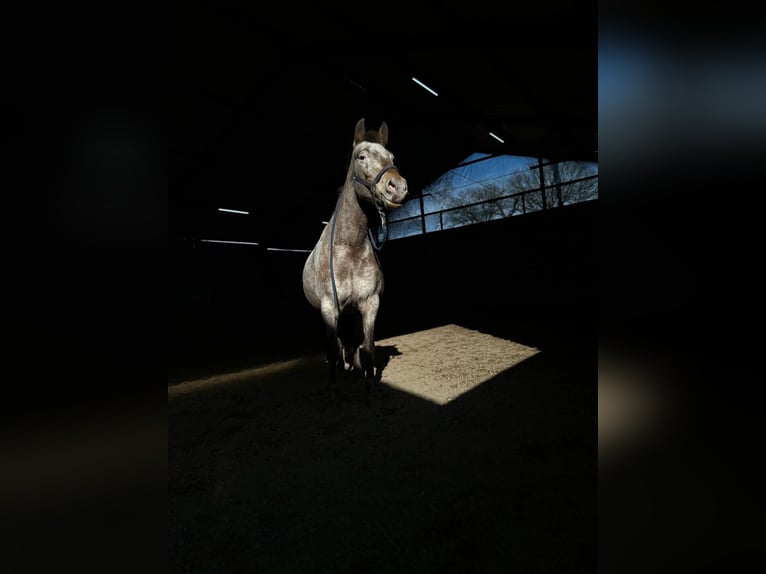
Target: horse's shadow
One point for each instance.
(383, 355)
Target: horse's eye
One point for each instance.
(362, 157)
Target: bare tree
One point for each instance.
(476, 203)
(456, 203)
(566, 182)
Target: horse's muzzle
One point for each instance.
(395, 191)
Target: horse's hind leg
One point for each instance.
(350, 360)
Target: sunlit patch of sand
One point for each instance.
(253, 373)
(443, 363)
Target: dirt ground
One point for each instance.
(477, 455)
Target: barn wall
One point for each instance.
(530, 277)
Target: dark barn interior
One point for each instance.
(264, 474)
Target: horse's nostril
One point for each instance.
(397, 186)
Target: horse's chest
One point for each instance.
(360, 278)
(366, 281)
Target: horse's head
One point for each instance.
(373, 166)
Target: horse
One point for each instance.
(342, 276)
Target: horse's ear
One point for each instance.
(359, 132)
(383, 134)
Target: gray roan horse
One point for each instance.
(342, 275)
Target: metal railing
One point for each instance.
(521, 206)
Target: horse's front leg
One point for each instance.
(369, 311)
(330, 317)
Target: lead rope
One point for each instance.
(377, 242)
(332, 269)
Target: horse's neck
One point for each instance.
(351, 222)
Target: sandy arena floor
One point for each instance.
(478, 455)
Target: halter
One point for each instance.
(377, 243)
